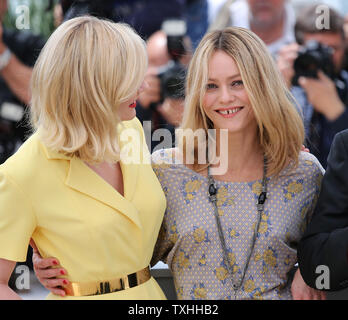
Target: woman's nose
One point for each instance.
(226, 95)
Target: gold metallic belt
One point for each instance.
(102, 287)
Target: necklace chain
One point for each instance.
(212, 190)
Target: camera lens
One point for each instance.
(311, 58)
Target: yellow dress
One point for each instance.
(76, 216)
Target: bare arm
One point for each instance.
(300, 291)
(6, 268)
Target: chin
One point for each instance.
(230, 127)
(235, 129)
(129, 116)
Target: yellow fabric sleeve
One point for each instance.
(17, 220)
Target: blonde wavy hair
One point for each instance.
(87, 68)
(280, 127)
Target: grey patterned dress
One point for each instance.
(189, 241)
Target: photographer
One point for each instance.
(145, 16)
(314, 72)
(272, 20)
(18, 52)
(161, 101)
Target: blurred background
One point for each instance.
(41, 15)
(42, 11)
(172, 30)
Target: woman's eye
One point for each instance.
(211, 86)
(237, 83)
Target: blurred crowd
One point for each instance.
(172, 30)
(307, 39)
(309, 51)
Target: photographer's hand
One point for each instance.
(285, 61)
(172, 110)
(152, 89)
(322, 94)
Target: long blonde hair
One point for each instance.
(86, 69)
(280, 127)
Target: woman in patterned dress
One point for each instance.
(237, 103)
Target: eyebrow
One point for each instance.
(229, 78)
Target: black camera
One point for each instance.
(172, 79)
(312, 57)
(172, 76)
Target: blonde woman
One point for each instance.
(233, 234)
(67, 186)
(233, 222)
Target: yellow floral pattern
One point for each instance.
(268, 260)
(224, 199)
(159, 169)
(292, 188)
(265, 224)
(183, 260)
(198, 292)
(232, 233)
(190, 188)
(191, 245)
(256, 188)
(180, 293)
(173, 233)
(200, 235)
(249, 286)
(203, 260)
(252, 290)
(270, 257)
(221, 273)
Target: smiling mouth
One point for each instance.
(229, 112)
